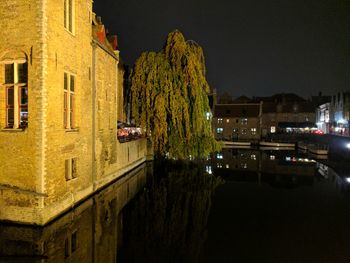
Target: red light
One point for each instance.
(318, 132)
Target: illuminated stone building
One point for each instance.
(237, 121)
(60, 98)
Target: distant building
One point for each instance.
(237, 122)
(340, 108)
(323, 117)
(287, 116)
(247, 119)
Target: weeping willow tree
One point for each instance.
(170, 99)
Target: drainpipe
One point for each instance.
(93, 133)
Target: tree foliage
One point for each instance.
(170, 99)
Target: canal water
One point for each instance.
(240, 205)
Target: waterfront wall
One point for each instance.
(90, 233)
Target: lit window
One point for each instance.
(69, 15)
(244, 131)
(253, 157)
(16, 78)
(68, 101)
(220, 156)
(208, 115)
(253, 131)
(244, 121)
(208, 169)
(219, 165)
(272, 157)
(227, 166)
(219, 120)
(219, 130)
(235, 130)
(273, 129)
(70, 168)
(227, 120)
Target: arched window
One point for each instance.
(15, 72)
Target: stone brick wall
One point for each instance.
(96, 223)
(20, 151)
(71, 53)
(33, 186)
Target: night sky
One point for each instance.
(252, 47)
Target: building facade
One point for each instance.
(323, 117)
(237, 122)
(340, 117)
(60, 99)
(298, 117)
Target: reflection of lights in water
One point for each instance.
(220, 156)
(227, 166)
(347, 179)
(301, 160)
(208, 169)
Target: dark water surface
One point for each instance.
(239, 206)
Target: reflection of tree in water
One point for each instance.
(167, 221)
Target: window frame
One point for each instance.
(70, 168)
(18, 81)
(69, 16)
(69, 101)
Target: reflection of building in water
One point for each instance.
(168, 222)
(90, 233)
(275, 167)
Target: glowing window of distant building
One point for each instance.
(244, 121)
(272, 157)
(244, 131)
(219, 130)
(208, 169)
(219, 156)
(295, 107)
(253, 157)
(219, 120)
(244, 165)
(235, 130)
(208, 115)
(16, 94)
(253, 131)
(273, 129)
(227, 166)
(219, 165)
(69, 10)
(227, 120)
